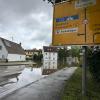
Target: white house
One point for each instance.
(50, 57)
(11, 51)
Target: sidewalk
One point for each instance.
(48, 88)
(16, 63)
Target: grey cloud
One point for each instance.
(28, 21)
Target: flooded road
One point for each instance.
(20, 79)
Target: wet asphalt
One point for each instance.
(46, 88)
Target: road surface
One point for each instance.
(47, 88)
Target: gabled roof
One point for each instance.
(12, 47)
(49, 49)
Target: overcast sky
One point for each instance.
(27, 21)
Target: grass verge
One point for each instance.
(72, 90)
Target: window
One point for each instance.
(0, 47)
(53, 62)
(49, 57)
(3, 57)
(45, 67)
(46, 57)
(45, 63)
(20, 57)
(53, 67)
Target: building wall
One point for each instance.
(16, 57)
(50, 60)
(50, 56)
(31, 53)
(3, 51)
(50, 65)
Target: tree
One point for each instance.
(75, 51)
(56, 1)
(62, 54)
(35, 57)
(94, 63)
(40, 57)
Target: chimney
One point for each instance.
(20, 43)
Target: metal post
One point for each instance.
(84, 78)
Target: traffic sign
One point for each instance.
(84, 3)
(69, 23)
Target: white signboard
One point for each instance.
(84, 3)
(69, 30)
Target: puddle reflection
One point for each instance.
(21, 75)
(9, 75)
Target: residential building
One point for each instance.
(50, 57)
(31, 52)
(11, 51)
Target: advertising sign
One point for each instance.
(69, 24)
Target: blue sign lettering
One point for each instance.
(67, 18)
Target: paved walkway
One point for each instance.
(48, 88)
(16, 63)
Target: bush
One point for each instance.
(94, 64)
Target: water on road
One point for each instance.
(20, 79)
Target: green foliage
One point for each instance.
(37, 57)
(94, 64)
(64, 53)
(75, 51)
(73, 88)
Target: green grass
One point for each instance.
(72, 90)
